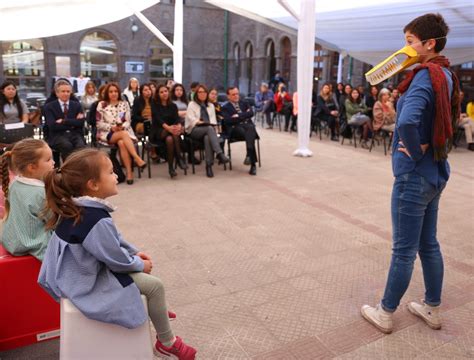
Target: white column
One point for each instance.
(306, 37)
(178, 42)
(342, 55)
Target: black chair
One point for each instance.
(384, 134)
(226, 139)
(193, 146)
(148, 145)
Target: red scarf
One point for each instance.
(446, 113)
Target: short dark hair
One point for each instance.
(429, 26)
(194, 84)
(230, 88)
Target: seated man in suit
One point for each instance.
(238, 124)
(65, 121)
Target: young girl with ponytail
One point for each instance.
(24, 228)
(89, 262)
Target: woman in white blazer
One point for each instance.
(200, 124)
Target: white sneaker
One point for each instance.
(430, 314)
(378, 317)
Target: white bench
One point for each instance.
(83, 338)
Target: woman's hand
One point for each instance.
(404, 150)
(334, 113)
(148, 266)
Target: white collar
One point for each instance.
(29, 181)
(91, 201)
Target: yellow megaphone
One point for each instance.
(398, 61)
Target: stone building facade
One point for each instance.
(220, 49)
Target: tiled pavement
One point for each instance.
(277, 266)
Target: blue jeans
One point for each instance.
(414, 219)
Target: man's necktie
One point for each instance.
(237, 107)
(65, 110)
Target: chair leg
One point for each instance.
(191, 153)
(372, 142)
(229, 155)
(258, 152)
(385, 145)
(148, 149)
(354, 135)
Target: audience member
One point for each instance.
(395, 97)
(89, 97)
(114, 128)
(193, 87)
(238, 124)
(384, 112)
(65, 121)
(141, 110)
(264, 103)
(276, 80)
(466, 120)
(356, 114)
(89, 262)
(370, 100)
(170, 84)
(284, 104)
(23, 228)
(362, 94)
(178, 96)
(327, 110)
(153, 87)
(12, 108)
(200, 125)
(52, 96)
(132, 91)
(339, 92)
(167, 127)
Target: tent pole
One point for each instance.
(178, 42)
(152, 28)
(305, 64)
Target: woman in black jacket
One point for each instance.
(141, 110)
(327, 109)
(166, 127)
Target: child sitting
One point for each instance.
(24, 228)
(88, 261)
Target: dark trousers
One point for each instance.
(247, 132)
(68, 142)
(267, 109)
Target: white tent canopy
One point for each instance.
(367, 30)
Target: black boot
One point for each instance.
(470, 146)
(253, 170)
(172, 171)
(209, 172)
(182, 164)
(222, 158)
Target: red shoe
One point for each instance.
(171, 315)
(179, 350)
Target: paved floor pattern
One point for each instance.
(277, 266)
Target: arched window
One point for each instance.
(285, 58)
(237, 64)
(23, 63)
(99, 57)
(249, 66)
(271, 61)
(161, 60)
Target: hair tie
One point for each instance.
(58, 170)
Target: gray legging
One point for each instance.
(208, 135)
(358, 119)
(153, 289)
